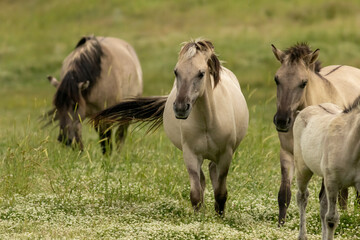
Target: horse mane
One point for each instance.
(83, 64)
(189, 49)
(354, 105)
(298, 52)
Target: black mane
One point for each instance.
(353, 106)
(85, 65)
(298, 51)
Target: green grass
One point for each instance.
(49, 191)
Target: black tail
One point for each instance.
(147, 110)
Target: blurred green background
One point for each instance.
(35, 37)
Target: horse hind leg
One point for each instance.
(105, 139)
(323, 208)
(332, 216)
(120, 136)
(302, 196)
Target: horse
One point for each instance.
(301, 82)
(326, 143)
(205, 116)
(98, 73)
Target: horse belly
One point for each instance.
(312, 147)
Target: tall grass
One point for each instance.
(142, 192)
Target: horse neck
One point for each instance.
(205, 104)
(320, 90)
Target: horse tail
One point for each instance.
(146, 110)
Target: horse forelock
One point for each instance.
(189, 49)
(297, 53)
(83, 64)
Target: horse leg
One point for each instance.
(202, 180)
(303, 177)
(193, 165)
(218, 175)
(343, 198)
(357, 200)
(332, 216)
(287, 173)
(105, 139)
(120, 135)
(323, 208)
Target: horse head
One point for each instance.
(291, 80)
(197, 63)
(70, 110)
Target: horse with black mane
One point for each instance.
(98, 73)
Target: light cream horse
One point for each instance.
(300, 83)
(99, 73)
(326, 143)
(205, 116)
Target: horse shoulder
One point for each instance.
(232, 106)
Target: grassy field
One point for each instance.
(52, 192)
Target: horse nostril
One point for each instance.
(289, 121)
(187, 107)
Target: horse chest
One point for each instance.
(204, 141)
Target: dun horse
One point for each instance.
(205, 116)
(326, 142)
(99, 73)
(300, 83)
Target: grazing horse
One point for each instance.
(99, 73)
(326, 142)
(300, 83)
(205, 115)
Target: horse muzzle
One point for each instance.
(181, 110)
(282, 122)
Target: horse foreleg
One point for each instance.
(193, 166)
(218, 174)
(287, 173)
(105, 139)
(120, 135)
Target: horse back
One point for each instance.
(121, 75)
(346, 81)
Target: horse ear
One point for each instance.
(280, 55)
(312, 57)
(53, 81)
(83, 85)
(214, 65)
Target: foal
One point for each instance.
(326, 142)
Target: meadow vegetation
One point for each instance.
(50, 191)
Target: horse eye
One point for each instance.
(303, 84)
(276, 79)
(201, 74)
